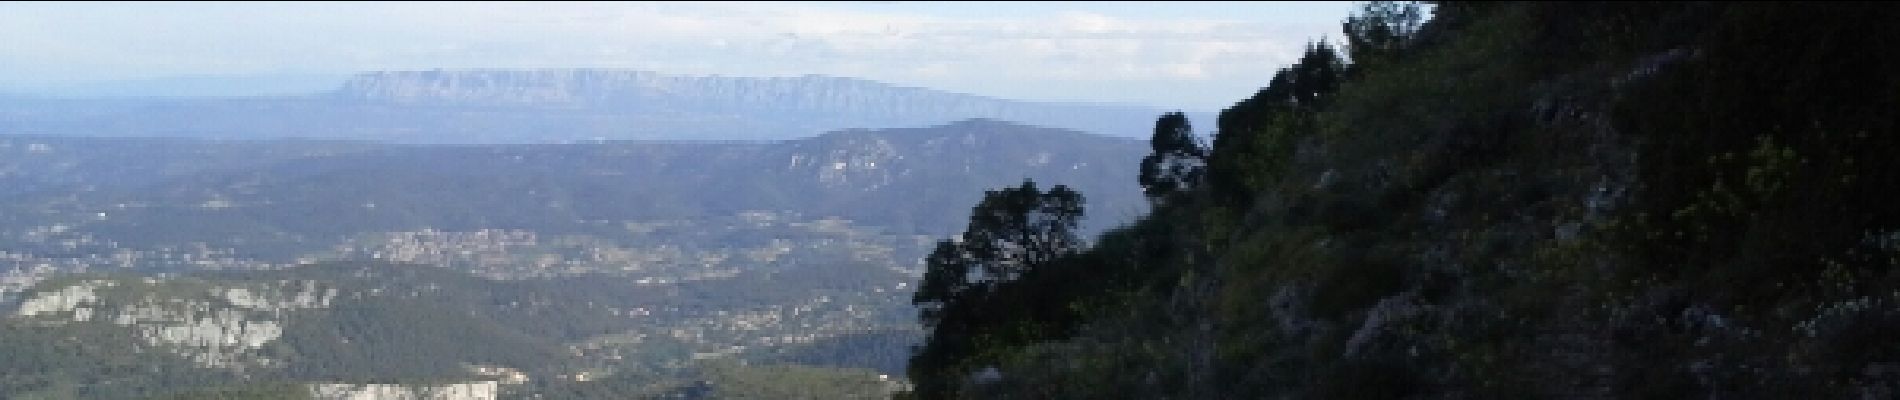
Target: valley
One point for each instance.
(328, 268)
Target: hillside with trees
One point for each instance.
(285, 333)
(1475, 200)
(132, 267)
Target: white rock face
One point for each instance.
(484, 390)
(278, 301)
(68, 299)
(226, 329)
(15, 281)
(223, 328)
(856, 162)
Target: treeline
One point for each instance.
(1475, 200)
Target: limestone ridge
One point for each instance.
(558, 106)
(213, 326)
(643, 92)
(480, 390)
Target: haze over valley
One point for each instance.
(490, 106)
(600, 232)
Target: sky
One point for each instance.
(1196, 56)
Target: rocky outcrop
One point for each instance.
(485, 390)
(216, 327)
(71, 299)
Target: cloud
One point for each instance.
(1087, 22)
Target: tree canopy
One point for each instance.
(1178, 162)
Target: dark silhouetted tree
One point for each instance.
(1178, 162)
(1317, 76)
(1255, 138)
(1010, 231)
(1381, 31)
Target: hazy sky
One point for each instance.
(1195, 56)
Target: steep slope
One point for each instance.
(1516, 200)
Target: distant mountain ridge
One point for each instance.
(900, 180)
(643, 91)
(607, 87)
(555, 106)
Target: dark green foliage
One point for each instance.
(1380, 32)
(392, 341)
(89, 361)
(885, 351)
(1783, 202)
(987, 287)
(1257, 137)
(1520, 200)
(729, 380)
(1011, 232)
(1177, 163)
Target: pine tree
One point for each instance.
(1012, 232)
(1178, 162)
(1381, 31)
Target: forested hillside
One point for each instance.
(134, 267)
(379, 329)
(1475, 200)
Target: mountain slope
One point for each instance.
(1514, 200)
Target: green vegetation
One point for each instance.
(88, 361)
(729, 381)
(721, 380)
(979, 289)
(1505, 200)
(246, 392)
(364, 322)
(885, 351)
